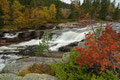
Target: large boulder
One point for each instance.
(8, 76)
(27, 35)
(22, 64)
(35, 76)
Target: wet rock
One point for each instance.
(45, 26)
(68, 48)
(8, 76)
(74, 24)
(27, 35)
(1, 34)
(23, 64)
(29, 51)
(65, 49)
(39, 34)
(35, 76)
(5, 57)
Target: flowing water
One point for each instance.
(60, 38)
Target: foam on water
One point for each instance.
(7, 59)
(10, 35)
(67, 38)
(28, 43)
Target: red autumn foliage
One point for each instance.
(81, 17)
(104, 50)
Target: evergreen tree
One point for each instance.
(104, 9)
(116, 14)
(1, 19)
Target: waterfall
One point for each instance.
(67, 38)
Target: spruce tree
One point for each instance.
(116, 14)
(1, 19)
(104, 9)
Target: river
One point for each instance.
(60, 38)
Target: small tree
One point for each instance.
(44, 44)
(52, 11)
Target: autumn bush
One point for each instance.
(103, 53)
(72, 71)
(38, 68)
(98, 61)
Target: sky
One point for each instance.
(68, 1)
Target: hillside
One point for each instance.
(38, 3)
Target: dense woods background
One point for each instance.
(27, 13)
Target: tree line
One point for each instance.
(27, 13)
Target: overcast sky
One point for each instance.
(68, 1)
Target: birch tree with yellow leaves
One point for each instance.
(52, 11)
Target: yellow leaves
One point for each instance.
(52, 11)
(65, 13)
(110, 9)
(87, 15)
(43, 15)
(4, 4)
(17, 6)
(18, 16)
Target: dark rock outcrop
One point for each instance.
(68, 48)
(1, 34)
(44, 27)
(29, 51)
(27, 35)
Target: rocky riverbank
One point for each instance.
(16, 36)
(11, 71)
(24, 43)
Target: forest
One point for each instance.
(17, 14)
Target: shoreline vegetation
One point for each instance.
(17, 14)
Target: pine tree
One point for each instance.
(116, 14)
(1, 19)
(104, 9)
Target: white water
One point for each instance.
(8, 35)
(67, 38)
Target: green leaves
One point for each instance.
(44, 44)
